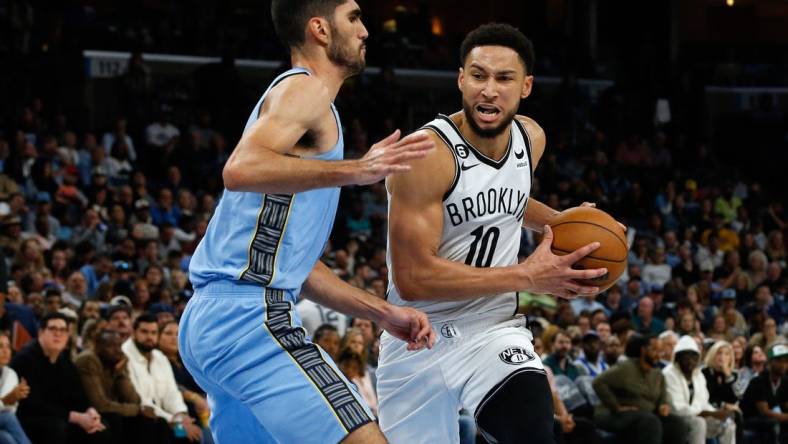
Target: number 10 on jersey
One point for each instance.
(483, 245)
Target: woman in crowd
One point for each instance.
(11, 391)
(721, 376)
(192, 393)
(767, 336)
(353, 343)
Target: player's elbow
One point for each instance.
(231, 177)
(409, 285)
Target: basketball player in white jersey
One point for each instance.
(454, 232)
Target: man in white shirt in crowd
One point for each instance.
(689, 397)
(153, 379)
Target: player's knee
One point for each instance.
(526, 393)
(367, 434)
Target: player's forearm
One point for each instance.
(325, 288)
(537, 215)
(435, 278)
(279, 174)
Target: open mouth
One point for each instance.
(487, 112)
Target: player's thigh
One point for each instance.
(415, 406)
(293, 388)
(233, 422)
(508, 389)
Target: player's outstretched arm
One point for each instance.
(415, 228)
(405, 323)
(260, 162)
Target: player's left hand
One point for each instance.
(409, 325)
(593, 205)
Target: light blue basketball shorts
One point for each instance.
(266, 381)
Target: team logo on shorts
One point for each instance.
(515, 355)
(449, 331)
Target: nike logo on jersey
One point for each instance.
(468, 167)
(519, 155)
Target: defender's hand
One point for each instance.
(409, 325)
(547, 273)
(391, 155)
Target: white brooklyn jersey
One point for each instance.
(482, 217)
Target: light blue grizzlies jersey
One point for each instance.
(269, 239)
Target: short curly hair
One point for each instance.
(500, 34)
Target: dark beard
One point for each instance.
(143, 348)
(485, 133)
(340, 53)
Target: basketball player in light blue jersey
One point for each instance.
(240, 335)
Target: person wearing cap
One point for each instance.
(119, 319)
(10, 234)
(766, 395)
(733, 317)
(590, 362)
(689, 397)
(142, 226)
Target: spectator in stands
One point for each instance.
(586, 303)
(152, 376)
(560, 360)
(327, 337)
(108, 387)
(689, 397)
(765, 393)
(721, 378)
(57, 410)
(612, 351)
(733, 318)
(644, 320)
(353, 343)
(768, 335)
(666, 342)
(634, 399)
(76, 289)
(591, 362)
(192, 393)
(119, 320)
(12, 390)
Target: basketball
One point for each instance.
(577, 227)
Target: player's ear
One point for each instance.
(318, 28)
(528, 83)
(460, 78)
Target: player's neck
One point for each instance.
(492, 147)
(328, 72)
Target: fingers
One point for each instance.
(547, 238)
(581, 290)
(588, 204)
(587, 274)
(623, 227)
(580, 253)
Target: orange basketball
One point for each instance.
(578, 227)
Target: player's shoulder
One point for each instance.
(299, 90)
(533, 128)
